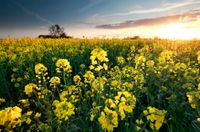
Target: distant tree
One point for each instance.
(134, 37)
(56, 31)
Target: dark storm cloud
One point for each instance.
(182, 18)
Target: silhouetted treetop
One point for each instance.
(56, 30)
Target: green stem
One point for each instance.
(64, 78)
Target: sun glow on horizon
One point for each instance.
(182, 31)
(178, 31)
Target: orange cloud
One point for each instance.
(189, 16)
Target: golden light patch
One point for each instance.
(179, 31)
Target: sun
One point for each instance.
(178, 31)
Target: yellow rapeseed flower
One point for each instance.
(63, 110)
(120, 60)
(54, 81)
(29, 88)
(77, 79)
(98, 60)
(150, 63)
(10, 116)
(99, 83)
(29, 113)
(105, 66)
(155, 116)
(126, 103)
(139, 122)
(98, 54)
(28, 121)
(198, 57)
(40, 69)
(166, 57)
(140, 61)
(108, 119)
(110, 103)
(63, 65)
(88, 77)
(37, 115)
(193, 98)
(70, 94)
(180, 66)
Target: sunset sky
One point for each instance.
(177, 19)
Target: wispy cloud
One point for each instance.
(165, 7)
(31, 13)
(93, 20)
(91, 4)
(189, 16)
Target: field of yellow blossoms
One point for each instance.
(99, 85)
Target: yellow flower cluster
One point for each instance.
(140, 61)
(10, 117)
(99, 67)
(77, 79)
(98, 84)
(198, 57)
(116, 74)
(98, 60)
(63, 110)
(131, 54)
(150, 63)
(155, 116)
(139, 122)
(166, 57)
(110, 104)
(180, 66)
(115, 84)
(40, 69)
(27, 117)
(127, 86)
(41, 73)
(126, 103)
(24, 102)
(94, 111)
(29, 88)
(72, 93)
(63, 65)
(194, 98)
(54, 82)
(98, 54)
(120, 60)
(136, 75)
(37, 115)
(89, 77)
(108, 119)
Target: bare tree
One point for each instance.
(56, 30)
